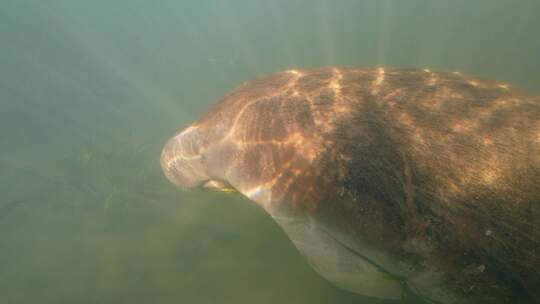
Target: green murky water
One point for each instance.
(90, 91)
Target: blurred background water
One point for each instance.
(91, 90)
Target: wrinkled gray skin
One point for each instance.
(390, 182)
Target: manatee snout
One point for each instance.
(182, 161)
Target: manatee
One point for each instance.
(392, 183)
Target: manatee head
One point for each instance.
(243, 143)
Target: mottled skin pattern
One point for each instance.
(440, 170)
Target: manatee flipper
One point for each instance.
(339, 264)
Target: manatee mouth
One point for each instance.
(219, 186)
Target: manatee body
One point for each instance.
(391, 182)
